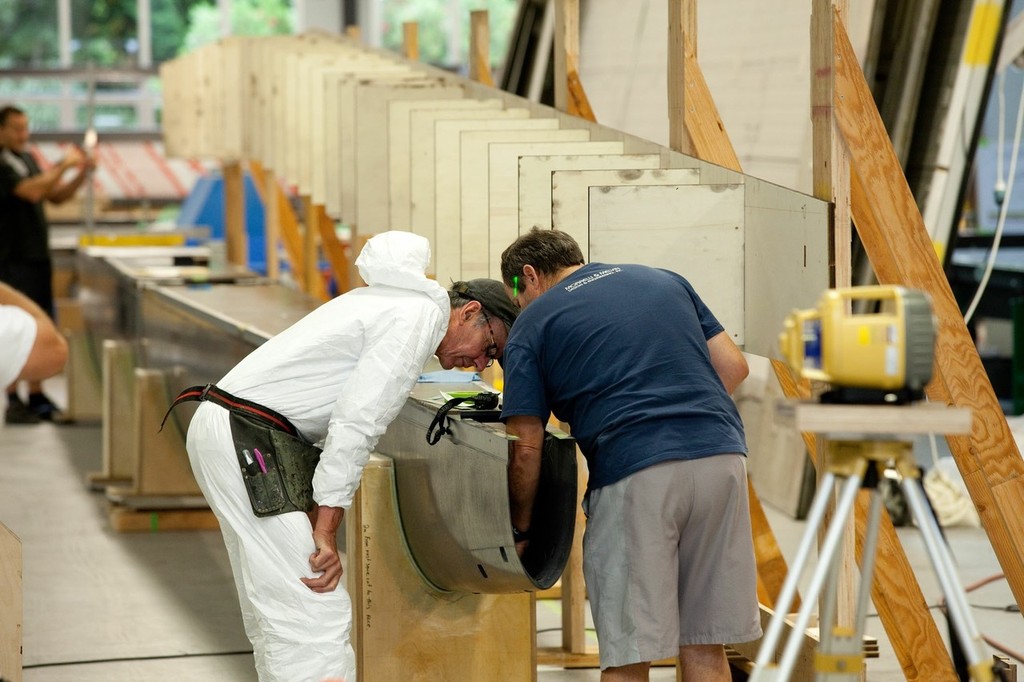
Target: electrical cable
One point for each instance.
(1003, 210)
(1000, 187)
(128, 659)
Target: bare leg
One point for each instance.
(638, 672)
(706, 663)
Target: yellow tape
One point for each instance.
(838, 663)
(108, 239)
(981, 37)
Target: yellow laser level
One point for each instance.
(889, 347)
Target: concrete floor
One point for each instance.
(120, 607)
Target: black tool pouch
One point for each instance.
(277, 468)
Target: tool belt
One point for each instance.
(277, 465)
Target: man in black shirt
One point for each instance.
(24, 242)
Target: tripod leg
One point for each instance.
(960, 612)
(773, 633)
(829, 548)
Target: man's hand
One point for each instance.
(73, 158)
(324, 560)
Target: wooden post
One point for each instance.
(897, 242)
(682, 44)
(574, 590)
(567, 48)
(480, 48)
(411, 41)
(310, 253)
(831, 172)
(236, 243)
(570, 96)
(705, 133)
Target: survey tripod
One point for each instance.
(858, 463)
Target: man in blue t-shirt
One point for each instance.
(631, 358)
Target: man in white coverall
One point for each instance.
(340, 376)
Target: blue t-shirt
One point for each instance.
(620, 353)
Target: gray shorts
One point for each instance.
(668, 558)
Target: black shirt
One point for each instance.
(23, 227)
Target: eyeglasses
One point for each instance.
(491, 352)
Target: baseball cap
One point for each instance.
(490, 293)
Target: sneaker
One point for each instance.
(44, 408)
(19, 413)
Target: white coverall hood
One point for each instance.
(396, 259)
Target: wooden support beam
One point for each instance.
(831, 166)
(236, 244)
(334, 250)
(266, 186)
(290, 235)
(480, 48)
(411, 41)
(894, 236)
(771, 564)
(682, 41)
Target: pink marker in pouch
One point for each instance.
(259, 458)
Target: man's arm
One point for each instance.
(728, 361)
(524, 469)
(50, 350)
(39, 187)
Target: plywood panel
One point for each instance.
(535, 180)
(502, 193)
(570, 194)
(446, 222)
(232, 118)
(786, 259)
(473, 189)
(311, 153)
(347, 146)
(422, 161)
(400, 148)
(296, 61)
(332, 81)
(372, 121)
(694, 230)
